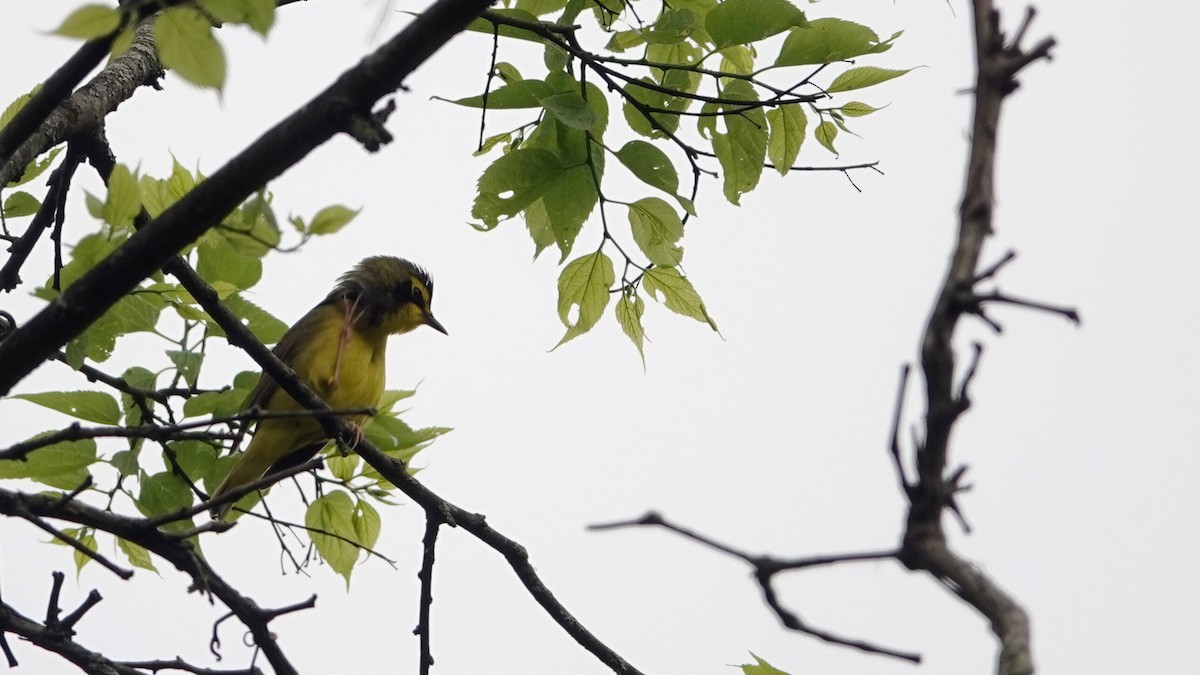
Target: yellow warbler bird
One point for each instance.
(337, 349)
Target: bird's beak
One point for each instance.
(435, 324)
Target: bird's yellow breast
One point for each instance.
(352, 379)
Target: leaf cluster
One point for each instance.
(167, 437)
(696, 60)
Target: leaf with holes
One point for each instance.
(657, 230)
(678, 294)
(630, 308)
(583, 287)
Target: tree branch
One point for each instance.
(329, 113)
(765, 569)
(924, 545)
(168, 546)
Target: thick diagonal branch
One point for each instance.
(332, 111)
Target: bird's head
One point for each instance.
(393, 294)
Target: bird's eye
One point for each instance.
(417, 297)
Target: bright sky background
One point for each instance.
(772, 437)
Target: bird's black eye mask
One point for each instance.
(408, 292)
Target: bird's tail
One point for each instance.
(242, 474)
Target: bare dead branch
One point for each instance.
(998, 61)
(765, 569)
(424, 625)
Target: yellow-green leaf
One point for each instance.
(760, 667)
(331, 219)
(630, 308)
(583, 287)
(857, 109)
(124, 199)
(258, 14)
(90, 406)
(736, 22)
(20, 204)
(186, 45)
(333, 512)
(678, 294)
(826, 132)
(62, 465)
(90, 22)
(787, 125)
(137, 556)
(367, 524)
(657, 228)
(863, 76)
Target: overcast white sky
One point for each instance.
(1082, 442)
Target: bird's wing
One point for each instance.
(287, 349)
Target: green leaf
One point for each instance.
(863, 76)
(583, 286)
(180, 182)
(342, 467)
(195, 458)
(125, 462)
(137, 556)
(656, 229)
(90, 22)
(90, 406)
(514, 95)
(331, 219)
(625, 40)
(825, 133)
(629, 314)
(219, 261)
(828, 40)
(258, 14)
(655, 101)
(760, 668)
(491, 142)
(13, 108)
(215, 403)
(737, 22)
(162, 494)
(121, 43)
(788, 124)
(513, 182)
(482, 25)
(570, 109)
(188, 364)
(124, 199)
(743, 149)
(650, 164)
(139, 378)
(260, 322)
(20, 204)
(678, 294)
(186, 45)
(857, 109)
(537, 221)
(87, 537)
(62, 465)
(252, 228)
(672, 26)
(333, 512)
(568, 201)
(35, 167)
(738, 59)
(367, 524)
